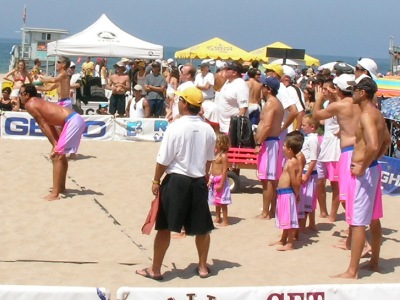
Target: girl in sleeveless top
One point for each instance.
(18, 76)
(219, 193)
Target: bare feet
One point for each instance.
(312, 228)
(286, 247)
(366, 250)
(148, 273)
(342, 245)
(223, 223)
(276, 243)
(217, 220)
(371, 267)
(347, 275)
(263, 217)
(52, 197)
(179, 235)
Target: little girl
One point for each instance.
(219, 193)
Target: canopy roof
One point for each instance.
(261, 54)
(215, 48)
(104, 39)
(388, 86)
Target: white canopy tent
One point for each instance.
(104, 39)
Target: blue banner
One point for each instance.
(390, 175)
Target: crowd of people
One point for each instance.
(287, 108)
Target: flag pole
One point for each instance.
(23, 32)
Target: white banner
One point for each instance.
(140, 129)
(20, 125)
(27, 292)
(302, 292)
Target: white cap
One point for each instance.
(71, 64)
(220, 64)
(342, 82)
(289, 71)
(137, 87)
(369, 65)
(170, 60)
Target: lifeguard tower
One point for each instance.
(34, 45)
(394, 52)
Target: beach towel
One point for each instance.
(151, 216)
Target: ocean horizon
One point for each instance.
(169, 52)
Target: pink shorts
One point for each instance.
(308, 193)
(328, 170)
(269, 160)
(71, 134)
(286, 213)
(345, 172)
(65, 102)
(364, 201)
(221, 197)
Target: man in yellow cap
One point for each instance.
(185, 155)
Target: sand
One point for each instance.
(92, 236)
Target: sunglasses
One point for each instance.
(22, 93)
(359, 68)
(182, 99)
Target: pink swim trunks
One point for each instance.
(286, 213)
(65, 102)
(308, 193)
(221, 197)
(364, 201)
(345, 172)
(269, 160)
(71, 134)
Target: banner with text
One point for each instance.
(140, 129)
(309, 292)
(390, 175)
(20, 125)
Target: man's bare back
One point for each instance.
(373, 126)
(255, 91)
(47, 112)
(219, 80)
(270, 119)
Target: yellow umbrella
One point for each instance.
(261, 54)
(215, 48)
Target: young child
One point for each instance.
(310, 150)
(219, 193)
(287, 192)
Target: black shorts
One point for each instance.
(117, 104)
(184, 202)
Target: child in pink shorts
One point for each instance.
(288, 192)
(219, 193)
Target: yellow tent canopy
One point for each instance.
(215, 48)
(261, 54)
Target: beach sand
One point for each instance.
(92, 237)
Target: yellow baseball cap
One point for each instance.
(191, 95)
(274, 67)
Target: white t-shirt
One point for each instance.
(310, 149)
(187, 145)
(233, 96)
(330, 146)
(203, 80)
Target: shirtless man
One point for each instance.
(348, 115)
(269, 161)
(255, 95)
(61, 82)
(119, 85)
(49, 115)
(364, 205)
(219, 77)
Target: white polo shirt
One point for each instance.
(187, 145)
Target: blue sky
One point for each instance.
(358, 28)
